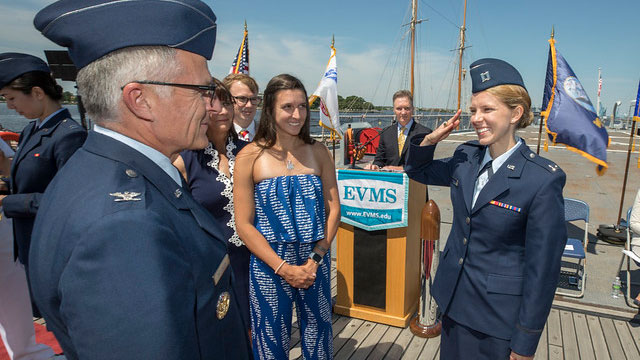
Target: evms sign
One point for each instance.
(373, 200)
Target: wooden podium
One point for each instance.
(379, 271)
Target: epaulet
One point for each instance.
(544, 163)
(70, 124)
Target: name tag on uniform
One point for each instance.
(224, 264)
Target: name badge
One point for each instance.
(224, 264)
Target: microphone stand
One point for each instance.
(357, 148)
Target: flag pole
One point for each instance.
(333, 135)
(626, 168)
(542, 117)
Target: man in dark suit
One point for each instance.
(125, 263)
(394, 139)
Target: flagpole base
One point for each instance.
(425, 331)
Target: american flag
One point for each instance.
(241, 62)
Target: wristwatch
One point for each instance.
(315, 257)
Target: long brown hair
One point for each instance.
(266, 134)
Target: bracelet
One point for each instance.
(279, 266)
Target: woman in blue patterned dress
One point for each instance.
(287, 213)
(209, 174)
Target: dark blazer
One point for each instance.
(499, 270)
(39, 156)
(137, 276)
(387, 152)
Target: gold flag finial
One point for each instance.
(245, 25)
(333, 40)
(553, 32)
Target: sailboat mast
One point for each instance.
(414, 18)
(599, 89)
(461, 51)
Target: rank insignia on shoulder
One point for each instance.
(126, 196)
(222, 307)
(511, 167)
(553, 167)
(506, 206)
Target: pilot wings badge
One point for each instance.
(126, 196)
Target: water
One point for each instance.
(14, 122)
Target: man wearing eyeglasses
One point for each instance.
(244, 90)
(126, 265)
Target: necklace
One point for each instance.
(289, 164)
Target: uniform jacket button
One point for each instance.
(460, 261)
(467, 220)
(464, 241)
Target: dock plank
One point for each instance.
(569, 341)
(583, 336)
(400, 344)
(555, 331)
(370, 342)
(382, 347)
(597, 338)
(355, 341)
(345, 335)
(415, 348)
(634, 328)
(611, 337)
(431, 349)
(626, 340)
(555, 352)
(542, 352)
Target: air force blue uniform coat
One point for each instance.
(499, 269)
(131, 276)
(41, 153)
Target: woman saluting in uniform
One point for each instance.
(499, 270)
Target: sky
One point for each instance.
(292, 36)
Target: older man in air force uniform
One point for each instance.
(125, 264)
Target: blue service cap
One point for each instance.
(13, 65)
(487, 73)
(94, 28)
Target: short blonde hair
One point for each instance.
(243, 79)
(512, 96)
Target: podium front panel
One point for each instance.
(370, 267)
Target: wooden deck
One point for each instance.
(569, 334)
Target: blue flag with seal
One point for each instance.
(570, 118)
(373, 200)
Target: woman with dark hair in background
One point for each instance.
(287, 212)
(209, 174)
(44, 147)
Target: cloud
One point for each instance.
(373, 72)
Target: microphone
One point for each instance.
(357, 148)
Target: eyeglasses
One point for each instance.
(205, 90)
(242, 100)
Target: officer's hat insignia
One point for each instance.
(224, 301)
(126, 196)
(485, 76)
